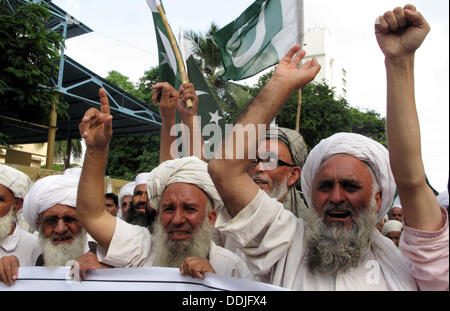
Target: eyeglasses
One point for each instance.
(52, 221)
(270, 162)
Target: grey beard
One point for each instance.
(59, 255)
(171, 253)
(279, 189)
(331, 249)
(6, 224)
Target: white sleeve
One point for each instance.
(130, 246)
(263, 231)
(224, 262)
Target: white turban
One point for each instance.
(392, 226)
(141, 178)
(76, 171)
(443, 199)
(362, 148)
(397, 202)
(19, 183)
(47, 192)
(128, 189)
(189, 170)
(396, 268)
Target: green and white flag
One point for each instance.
(209, 111)
(168, 67)
(259, 37)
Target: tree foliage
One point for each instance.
(206, 49)
(322, 114)
(131, 155)
(60, 152)
(121, 81)
(28, 60)
(134, 154)
(144, 88)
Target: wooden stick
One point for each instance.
(299, 107)
(173, 42)
(51, 138)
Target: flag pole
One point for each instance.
(299, 107)
(301, 39)
(173, 42)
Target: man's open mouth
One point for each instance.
(260, 182)
(179, 235)
(338, 214)
(61, 239)
(140, 208)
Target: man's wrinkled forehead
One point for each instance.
(342, 164)
(188, 193)
(6, 191)
(58, 210)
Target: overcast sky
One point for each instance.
(124, 40)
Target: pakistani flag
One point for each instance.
(168, 68)
(260, 37)
(208, 109)
(212, 121)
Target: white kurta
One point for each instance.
(131, 246)
(22, 244)
(272, 240)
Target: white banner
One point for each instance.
(128, 279)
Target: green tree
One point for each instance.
(131, 155)
(61, 154)
(370, 124)
(28, 60)
(323, 115)
(144, 88)
(134, 154)
(206, 50)
(121, 81)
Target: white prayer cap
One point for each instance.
(443, 199)
(189, 170)
(128, 189)
(361, 147)
(76, 171)
(397, 202)
(392, 226)
(141, 178)
(18, 182)
(47, 192)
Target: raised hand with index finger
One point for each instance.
(96, 126)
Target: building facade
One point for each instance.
(318, 43)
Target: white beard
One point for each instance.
(59, 255)
(6, 224)
(171, 253)
(331, 248)
(279, 189)
(22, 222)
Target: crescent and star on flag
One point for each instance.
(214, 116)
